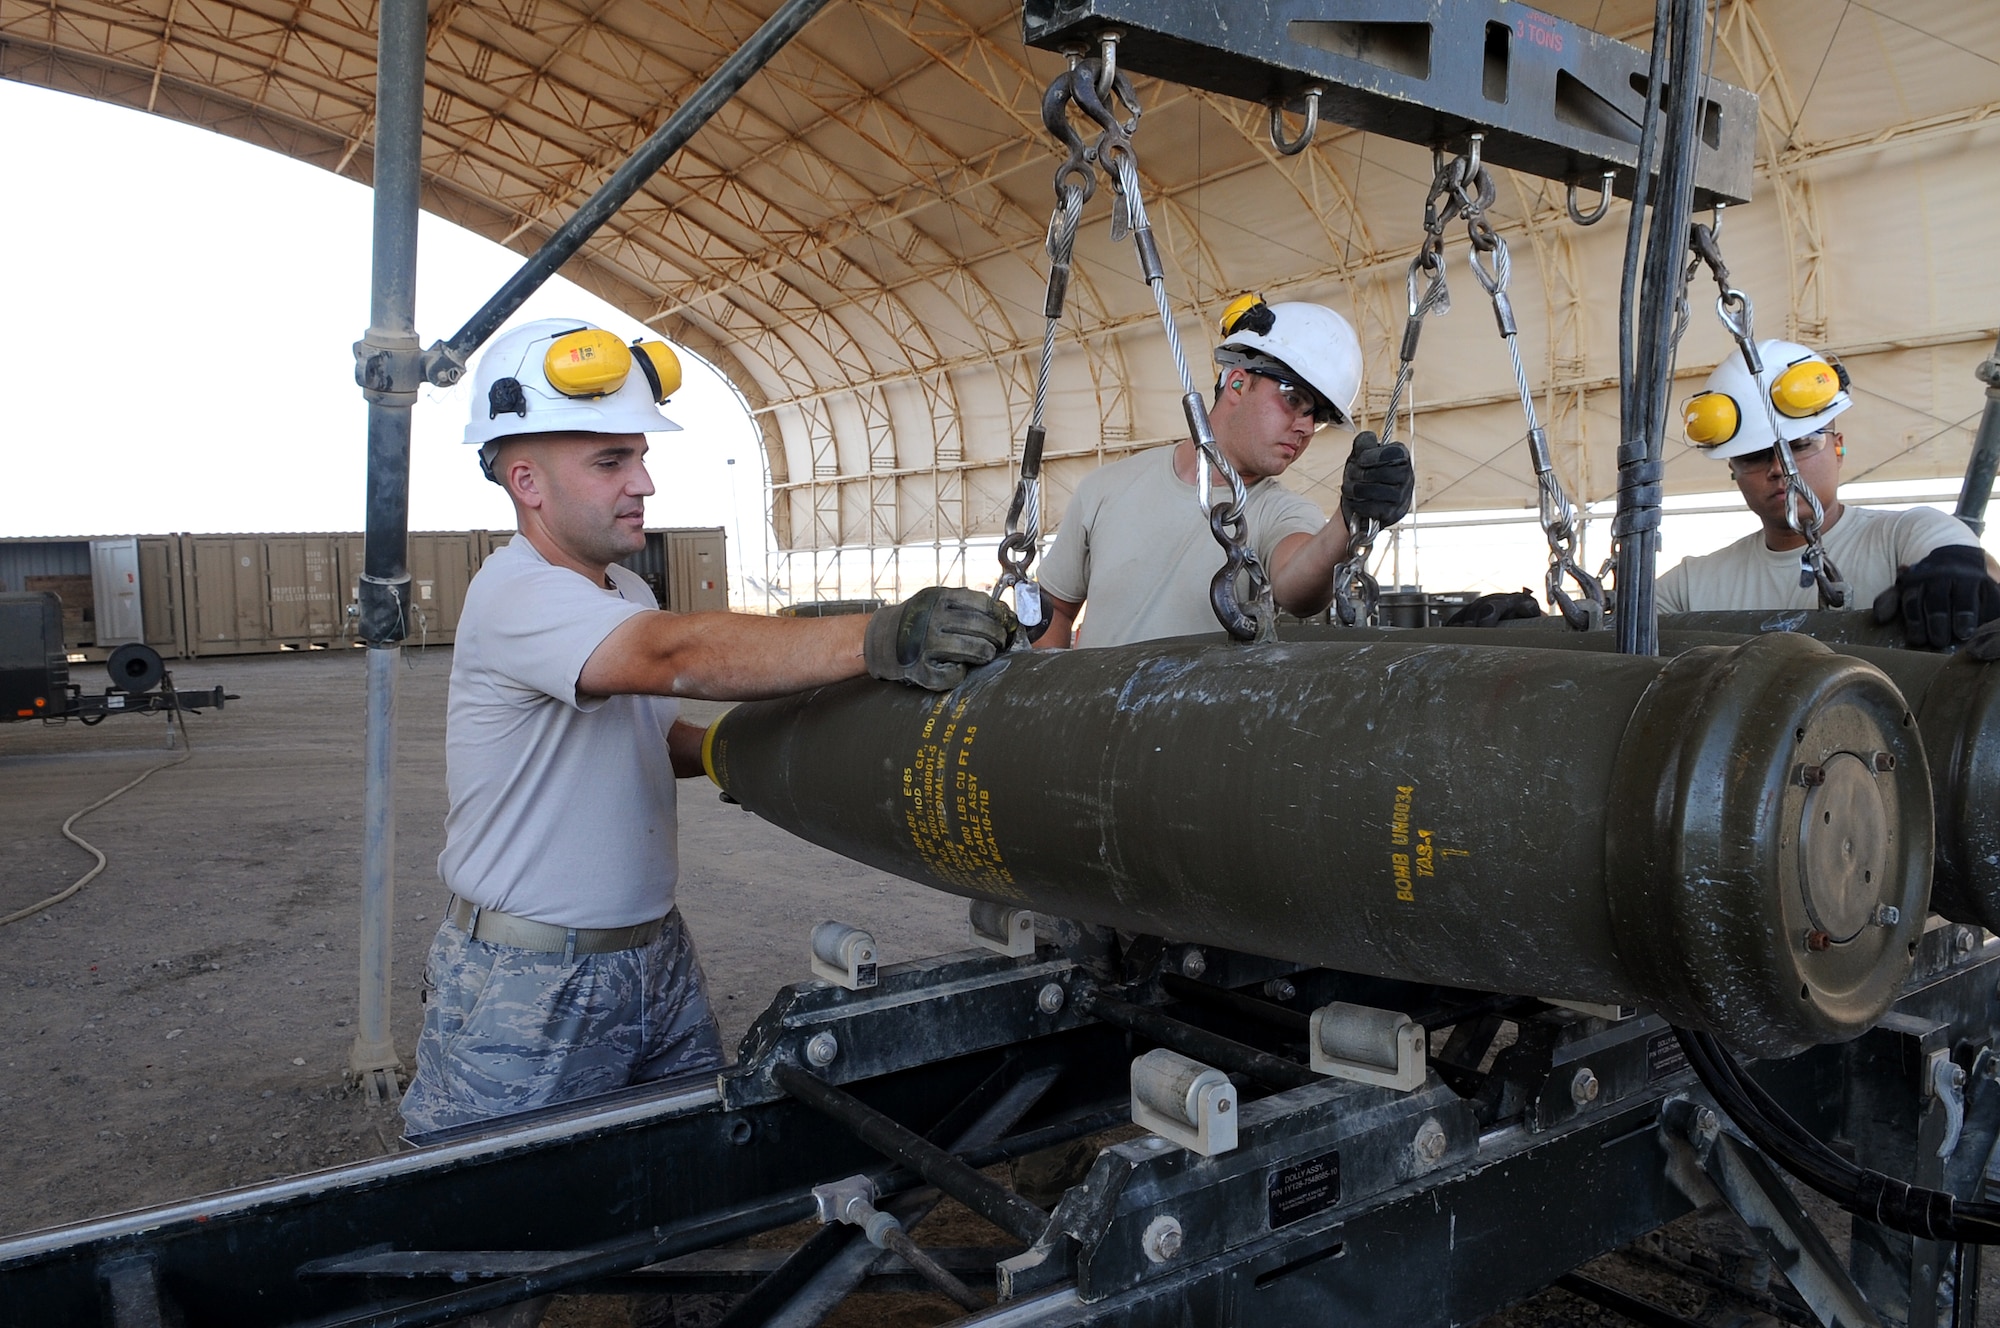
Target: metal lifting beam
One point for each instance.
(1553, 99)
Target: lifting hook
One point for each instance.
(1596, 214)
(1292, 147)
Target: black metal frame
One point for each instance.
(1553, 99)
(1336, 1193)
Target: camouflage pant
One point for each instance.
(507, 1029)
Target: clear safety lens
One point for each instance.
(1806, 388)
(589, 363)
(1711, 419)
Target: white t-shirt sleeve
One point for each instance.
(1922, 531)
(1287, 514)
(549, 622)
(1065, 572)
(1670, 592)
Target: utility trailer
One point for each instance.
(1269, 1194)
(34, 671)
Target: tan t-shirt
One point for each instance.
(1134, 544)
(562, 806)
(1866, 545)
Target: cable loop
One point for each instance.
(1074, 184)
(1096, 87)
(1557, 514)
(1804, 515)
(1292, 147)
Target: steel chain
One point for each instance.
(1557, 513)
(1803, 511)
(1227, 520)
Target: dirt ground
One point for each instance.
(182, 1024)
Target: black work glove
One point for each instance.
(1379, 483)
(1492, 610)
(932, 638)
(1985, 643)
(1943, 599)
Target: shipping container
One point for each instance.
(686, 566)
(233, 594)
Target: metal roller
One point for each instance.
(1737, 837)
(1956, 699)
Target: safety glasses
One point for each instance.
(1301, 399)
(1801, 449)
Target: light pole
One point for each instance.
(736, 523)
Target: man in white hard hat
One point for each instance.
(1921, 567)
(561, 969)
(1134, 543)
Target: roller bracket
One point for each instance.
(843, 955)
(1184, 1102)
(1365, 1045)
(1003, 930)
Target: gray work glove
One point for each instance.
(1492, 610)
(932, 638)
(1379, 482)
(1943, 599)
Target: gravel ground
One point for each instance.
(182, 1024)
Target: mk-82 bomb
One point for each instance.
(1956, 699)
(1739, 838)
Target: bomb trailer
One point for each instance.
(1318, 1145)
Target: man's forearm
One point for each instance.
(1302, 567)
(723, 656)
(684, 749)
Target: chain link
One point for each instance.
(1803, 511)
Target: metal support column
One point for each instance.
(388, 366)
(1985, 458)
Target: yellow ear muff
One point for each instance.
(1806, 388)
(1232, 316)
(587, 363)
(656, 359)
(1711, 418)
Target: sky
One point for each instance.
(181, 312)
(181, 309)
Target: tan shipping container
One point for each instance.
(697, 572)
(160, 597)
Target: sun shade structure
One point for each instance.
(856, 239)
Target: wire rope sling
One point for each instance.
(1094, 86)
(1461, 187)
(1706, 426)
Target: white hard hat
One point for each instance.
(1303, 341)
(1728, 417)
(564, 375)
